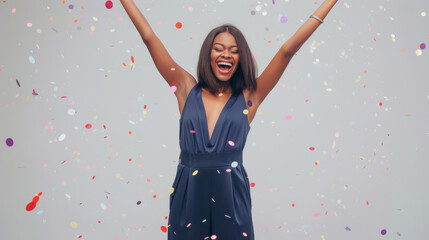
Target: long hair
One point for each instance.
(245, 75)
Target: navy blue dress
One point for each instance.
(211, 197)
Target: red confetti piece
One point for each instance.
(178, 25)
(35, 199)
(30, 206)
(88, 126)
(252, 184)
(109, 4)
(93, 177)
(192, 131)
(132, 59)
(311, 148)
(163, 228)
(293, 204)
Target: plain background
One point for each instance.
(356, 92)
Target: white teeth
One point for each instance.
(224, 63)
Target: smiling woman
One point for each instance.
(231, 62)
(210, 195)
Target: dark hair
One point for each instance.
(245, 75)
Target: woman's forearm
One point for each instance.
(292, 45)
(139, 20)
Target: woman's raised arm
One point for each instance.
(162, 59)
(271, 75)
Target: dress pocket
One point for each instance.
(176, 183)
(246, 180)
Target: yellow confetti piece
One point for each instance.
(171, 190)
(68, 196)
(118, 175)
(419, 52)
(245, 111)
(358, 79)
(73, 224)
(195, 173)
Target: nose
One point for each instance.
(226, 54)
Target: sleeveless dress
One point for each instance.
(211, 189)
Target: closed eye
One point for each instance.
(220, 50)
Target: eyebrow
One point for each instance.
(223, 45)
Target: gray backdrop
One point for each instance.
(356, 92)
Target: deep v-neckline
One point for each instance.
(206, 119)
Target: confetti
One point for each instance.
(178, 25)
(31, 59)
(73, 224)
(195, 173)
(62, 137)
(383, 232)
(163, 228)
(9, 142)
(109, 4)
(173, 89)
(30, 206)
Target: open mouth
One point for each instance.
(224, 67)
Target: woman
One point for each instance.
(210, 196)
